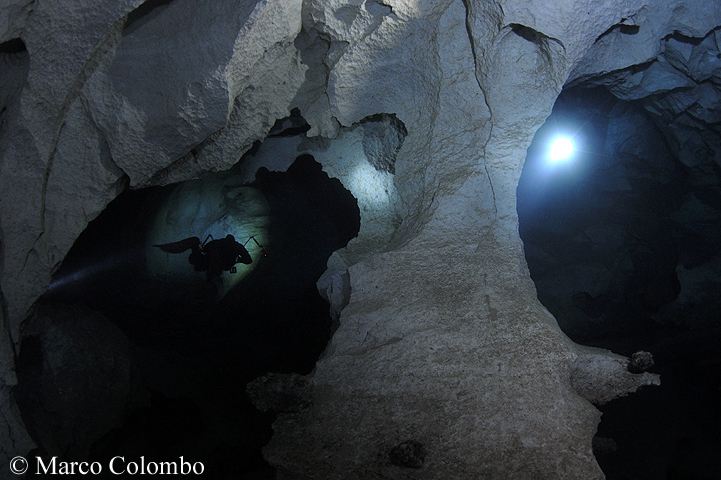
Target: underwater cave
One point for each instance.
(267, 166)
(623, 240)
(132, 350)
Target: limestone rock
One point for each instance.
(280, 392)
(13, 15)
(14, 437)
(33, 129)
(360, 156)
(78, 114)
(436, 361)
(640, 362)
(74, 372)
(678, 79)
(442, 340)
(394, 320)
(599, 376)
(634, 38)
(154, 108)
(334, 286)
(139, 112)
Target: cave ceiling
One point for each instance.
(440, 343)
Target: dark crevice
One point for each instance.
(380, 143)
(14, 45)
(623, 243)
(542, 41)
(144, 13)
(191, 352)
(622, 28)
(289, 126)
(695, 41)
(629, 29)
(527, 33)
(534, 36)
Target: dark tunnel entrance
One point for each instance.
(161, 360)
(623, 242)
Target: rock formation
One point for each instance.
(442, 341)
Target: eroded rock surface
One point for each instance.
(75, 372)
(600, 376)
(443, 340)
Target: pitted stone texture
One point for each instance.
(351, 157)
(636, 36)
(600, 376)
(674, 66)
(100, 101)
(476, 371)
(574, 26)
(154, 107)
(441, 343)
(110, 104)
(682, 64)
(13, 15)
(74, 370)
(444, 324)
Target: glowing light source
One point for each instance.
(370, 186)
(561, 148)
(216, 205)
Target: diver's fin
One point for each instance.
(181, 246)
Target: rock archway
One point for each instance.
(442, 340)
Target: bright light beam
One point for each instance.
(561, 149)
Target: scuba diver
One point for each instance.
(213, 257)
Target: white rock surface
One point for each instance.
(408, 349)
(162, 95)
(635, 38)
(99, 103)
(355, 157)
(138, 110)
(599, 376)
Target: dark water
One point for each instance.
(274, 320)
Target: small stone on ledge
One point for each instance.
(640, 362)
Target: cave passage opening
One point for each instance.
(623, 244)
(190, 344)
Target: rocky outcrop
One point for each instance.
(83, 114)
(442, 341)
(640, 228)
(600, 376)
(408, 349)
(75, 373)
(143, 116)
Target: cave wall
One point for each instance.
(622, 244)
(443, 340)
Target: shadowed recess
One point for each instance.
(186, 345)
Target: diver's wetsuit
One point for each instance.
(223, 254)
(213, 257)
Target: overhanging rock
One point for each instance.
(443, 342)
